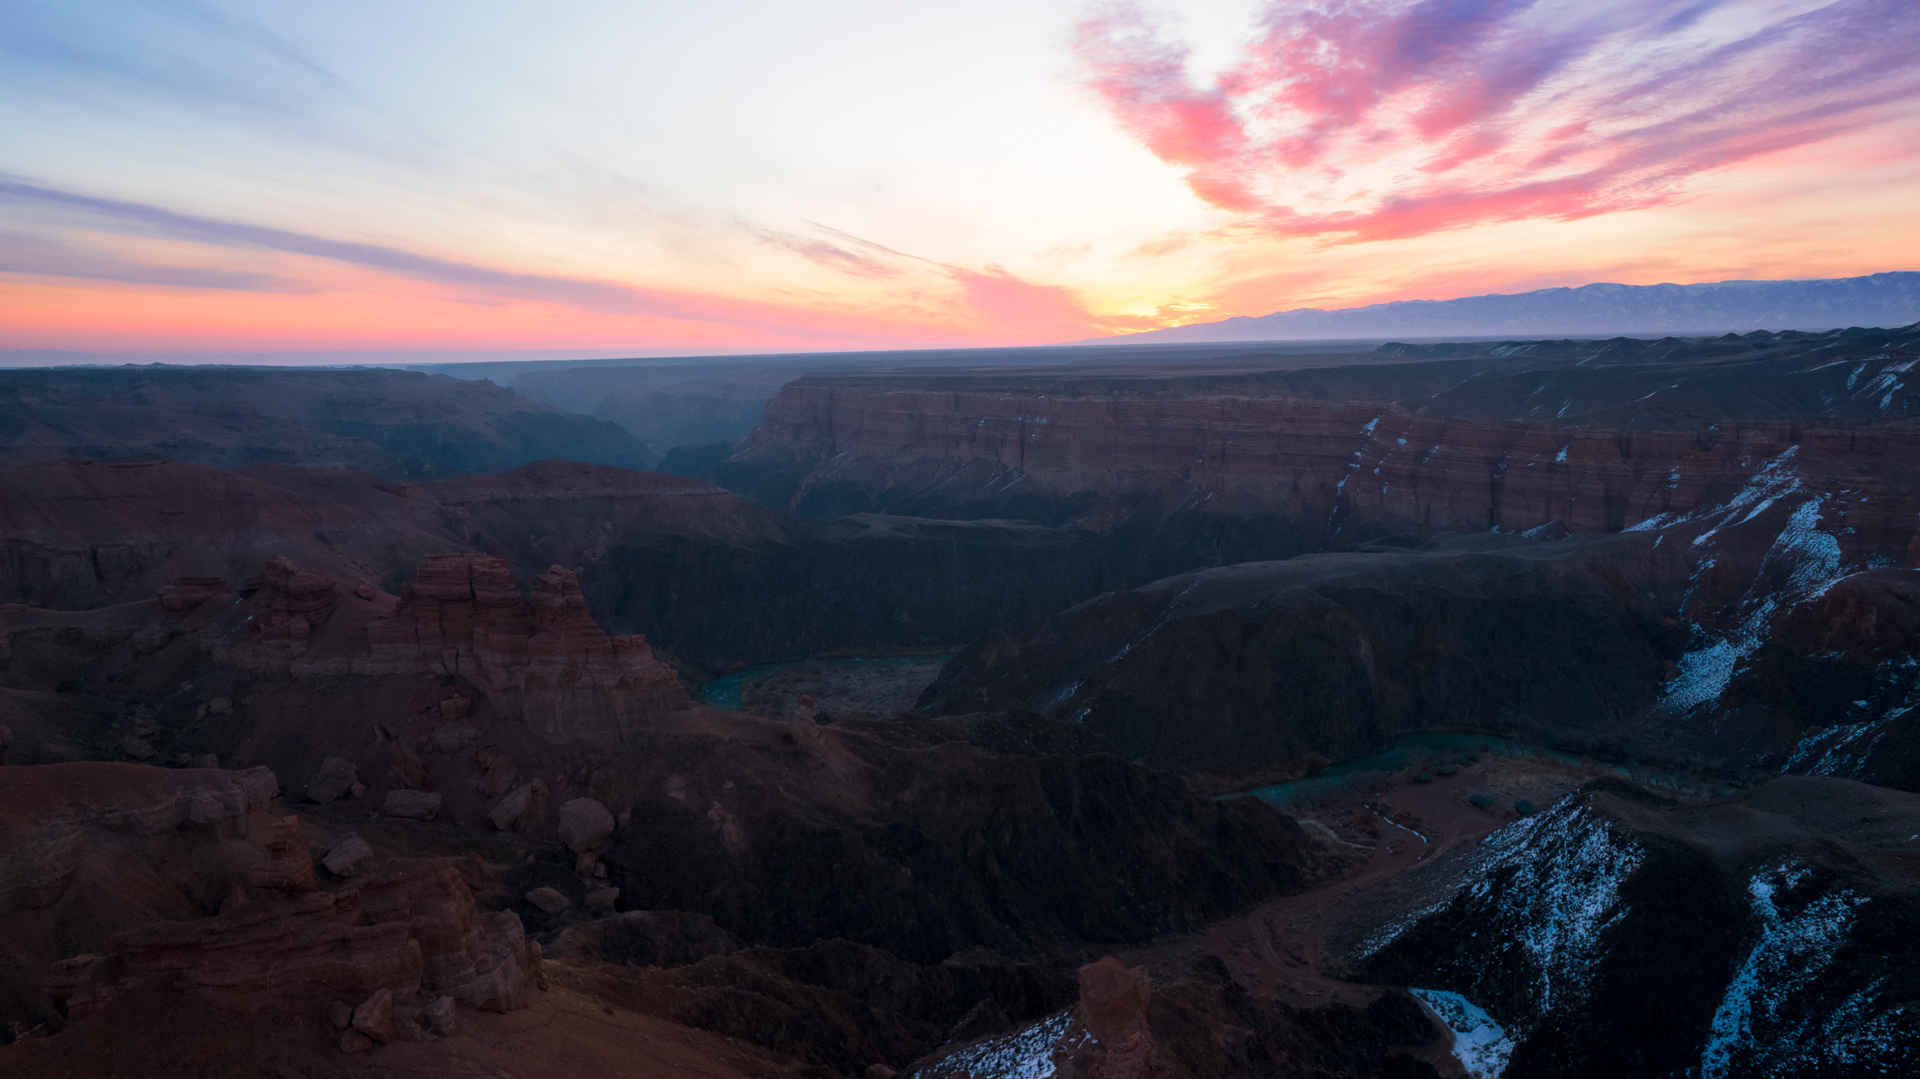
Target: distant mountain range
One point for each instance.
(1882, 299)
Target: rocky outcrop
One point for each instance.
(407, 933)
(1113, 1011)
(289, 604)
(1337, 654)
(50, 814)
(544, 660)
(903, 836)
(1769, 933)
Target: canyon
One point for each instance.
(352, 722)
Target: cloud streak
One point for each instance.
(22, 253)
(1000, 304)
(1360, 120)
(585, 295)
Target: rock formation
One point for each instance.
(54, 815)
(544, 660)
(406, 933)
(1113, 1009)
(289, 604)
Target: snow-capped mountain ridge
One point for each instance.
(1882, 299)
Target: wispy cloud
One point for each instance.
(989, 302)
(823, 253)
(580, 293)
(23, 253)
(176, 50)
(999, 298)
(1378, 119)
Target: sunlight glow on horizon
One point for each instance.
(756, 177)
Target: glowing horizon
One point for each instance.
(752, 177)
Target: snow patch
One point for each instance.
(1481, 1045)
(1810, 561)
(1024, 1054)
(1753, 1030)
(1568, 865)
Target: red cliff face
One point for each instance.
(1345, 467)
(545, 660)
(1596, 436)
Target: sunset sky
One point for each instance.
(622, 177)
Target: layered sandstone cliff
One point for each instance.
(1592, 436)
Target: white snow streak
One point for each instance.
(1481, 1045)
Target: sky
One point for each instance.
(628, 177)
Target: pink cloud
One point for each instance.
(1376, 119)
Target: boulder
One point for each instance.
(454, 737)
(509, 808)
(602, 898)
(340, 1014)
(413, 805)
(549, 900)
(584, 823)
(355, 1042)
(348, 857)
(439, 1017)
(374, 1016)
(334, 780)
(220, 706)
(137, 748)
